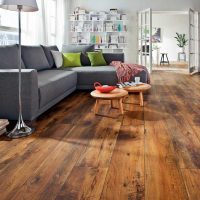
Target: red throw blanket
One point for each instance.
(126, 71)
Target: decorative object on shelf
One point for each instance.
(123, 17)
(3, 124)
(113, 17)
(72, 18)
(182, 41)
(113, 11)
(82, 12)
(119, 28)
(122, 39)
(112, 46)
(21, 129)
(82, 17)
(94, 18)
(103, 88)
(114, 39)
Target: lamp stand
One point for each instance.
(21, 129)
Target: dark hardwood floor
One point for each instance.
(150, 153)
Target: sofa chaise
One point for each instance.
(43, 85)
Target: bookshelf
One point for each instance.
(107, 31)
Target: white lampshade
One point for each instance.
(27, 5)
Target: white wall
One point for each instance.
(170, 24)
(135, 5)
(131, 7)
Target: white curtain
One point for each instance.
(46, 26)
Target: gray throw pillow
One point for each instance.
(9, 57)
(58, 58)
(47, 51)
(34, 58)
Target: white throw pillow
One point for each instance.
(58, 58)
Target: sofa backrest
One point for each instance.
(109, 57)
(77, 49)
(49, 56)
(9, 57)
(34, 58)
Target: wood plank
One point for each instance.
(83, 183)
(125, 178)
(20, 167)
(91, 169)
(163, 178)
(185, 142)
(100, 148)
(191, 179)
(65, 154)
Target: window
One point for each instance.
(37, 28)
(51, 18)
(9, 26)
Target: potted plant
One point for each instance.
(182, 41)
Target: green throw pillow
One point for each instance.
(96, 59)
(71, 59)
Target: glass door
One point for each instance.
(145, 38)
(194, 53)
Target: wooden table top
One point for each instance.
(115, 94)
(138, 88)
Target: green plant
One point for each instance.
(182, 41)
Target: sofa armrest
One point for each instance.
(9, 94)
(109, 57)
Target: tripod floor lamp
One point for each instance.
(21, 129)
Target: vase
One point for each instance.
(182, 49)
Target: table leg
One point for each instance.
(121, 106)
(141, 99)
(96, 107)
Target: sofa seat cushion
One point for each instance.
(34, 58)
(106, 75)
(53, 83)
(89, 75)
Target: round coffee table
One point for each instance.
(116, 94)
(138, 89)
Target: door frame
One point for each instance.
(194, 63)
(142, 17)
(197, 47)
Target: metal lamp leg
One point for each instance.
(21, 129)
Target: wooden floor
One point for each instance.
(150, 153)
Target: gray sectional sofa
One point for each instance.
(43, 85)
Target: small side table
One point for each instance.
(138, 89)
(116, 94)
(162, 60)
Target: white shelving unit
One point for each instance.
(108, 32)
